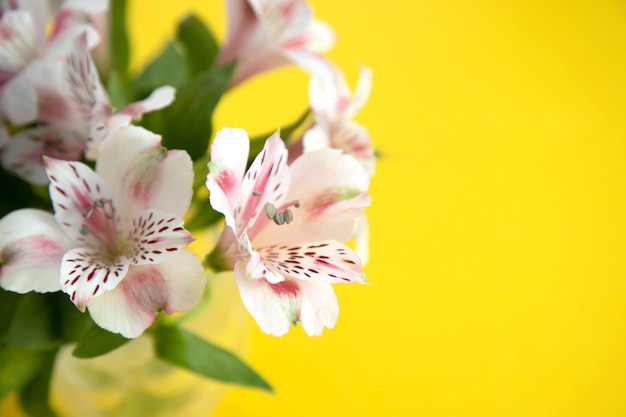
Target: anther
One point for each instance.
(256, 193)
(270, 210)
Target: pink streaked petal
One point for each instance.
(23, 155)
(242, 22)
(273, 306)
(229, 155)
(361, 93)
(156, 236)
(331, 188)
(327, 261)
(355, 140)
(266, 181)
(160, 98)
(143, 175)
(318, 38)
(31, 248)
(255, 267)
(171, 286)
(87, 273)
(83, 204)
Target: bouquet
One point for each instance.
(108, 175)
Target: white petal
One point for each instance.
(23, 155)
(31, 248)
(143, 175)
(171, 286)
(19, 96)
(331, 188)
(87, 273)
(160, 98)
(316, 138)
(319, 307)
(277, 307)
(273, 306)
(156, 236)
(327, 261)
(19, 42)
(229, 155)
(83, 204)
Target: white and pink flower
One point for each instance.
(67, 100)
(115, 243)
(285, 228)
(266, 34)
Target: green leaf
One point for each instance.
(199, 43)
(286, 133)
(18, 366)
(96, 341)
(34, 323)
(8, 305)
(181, 347)
(167, 68)
(120, 49)
(116, 91)
(73, 323)
(188, 120)
(34, 396)
(203, 217)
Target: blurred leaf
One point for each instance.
(17, 194)
(188, 123)
(182, 348)
(167, 68)
(34, 396)
(8, 304)
(72, 322)
(96, 341)
(120, 49)
(257, 143)
(34, 324)
(204, 217)
(18, 366)
(200, 171)
(199, 43)
(115, 90)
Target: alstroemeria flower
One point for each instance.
(265, 34)
(114, 244)
(23, 37)
(69, 103)
(334, 106)
(285, 228)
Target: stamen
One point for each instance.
(256, 193)
(270, 210)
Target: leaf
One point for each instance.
(120, 49)
(116, 92)
(34, 323)
(181, 347)
(8, 304)
(18, 366)
(188, 123)
(257, 143)
(73, 322)
(34, 396)
(199, 43)
(96, 341)
(203, 217)
(167, 68)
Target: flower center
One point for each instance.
(99, 222)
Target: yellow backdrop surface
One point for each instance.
(498, 224)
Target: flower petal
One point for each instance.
(23, 154)
(331, 189)
(266, 181)
(86, 273)
(172, 286)
(19, 42)
(277, 307)
(229, 154)
(31, 248)
(156, 236)
(83, 203)
(143, 175)
(327, 261)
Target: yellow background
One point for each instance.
(498, 224)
